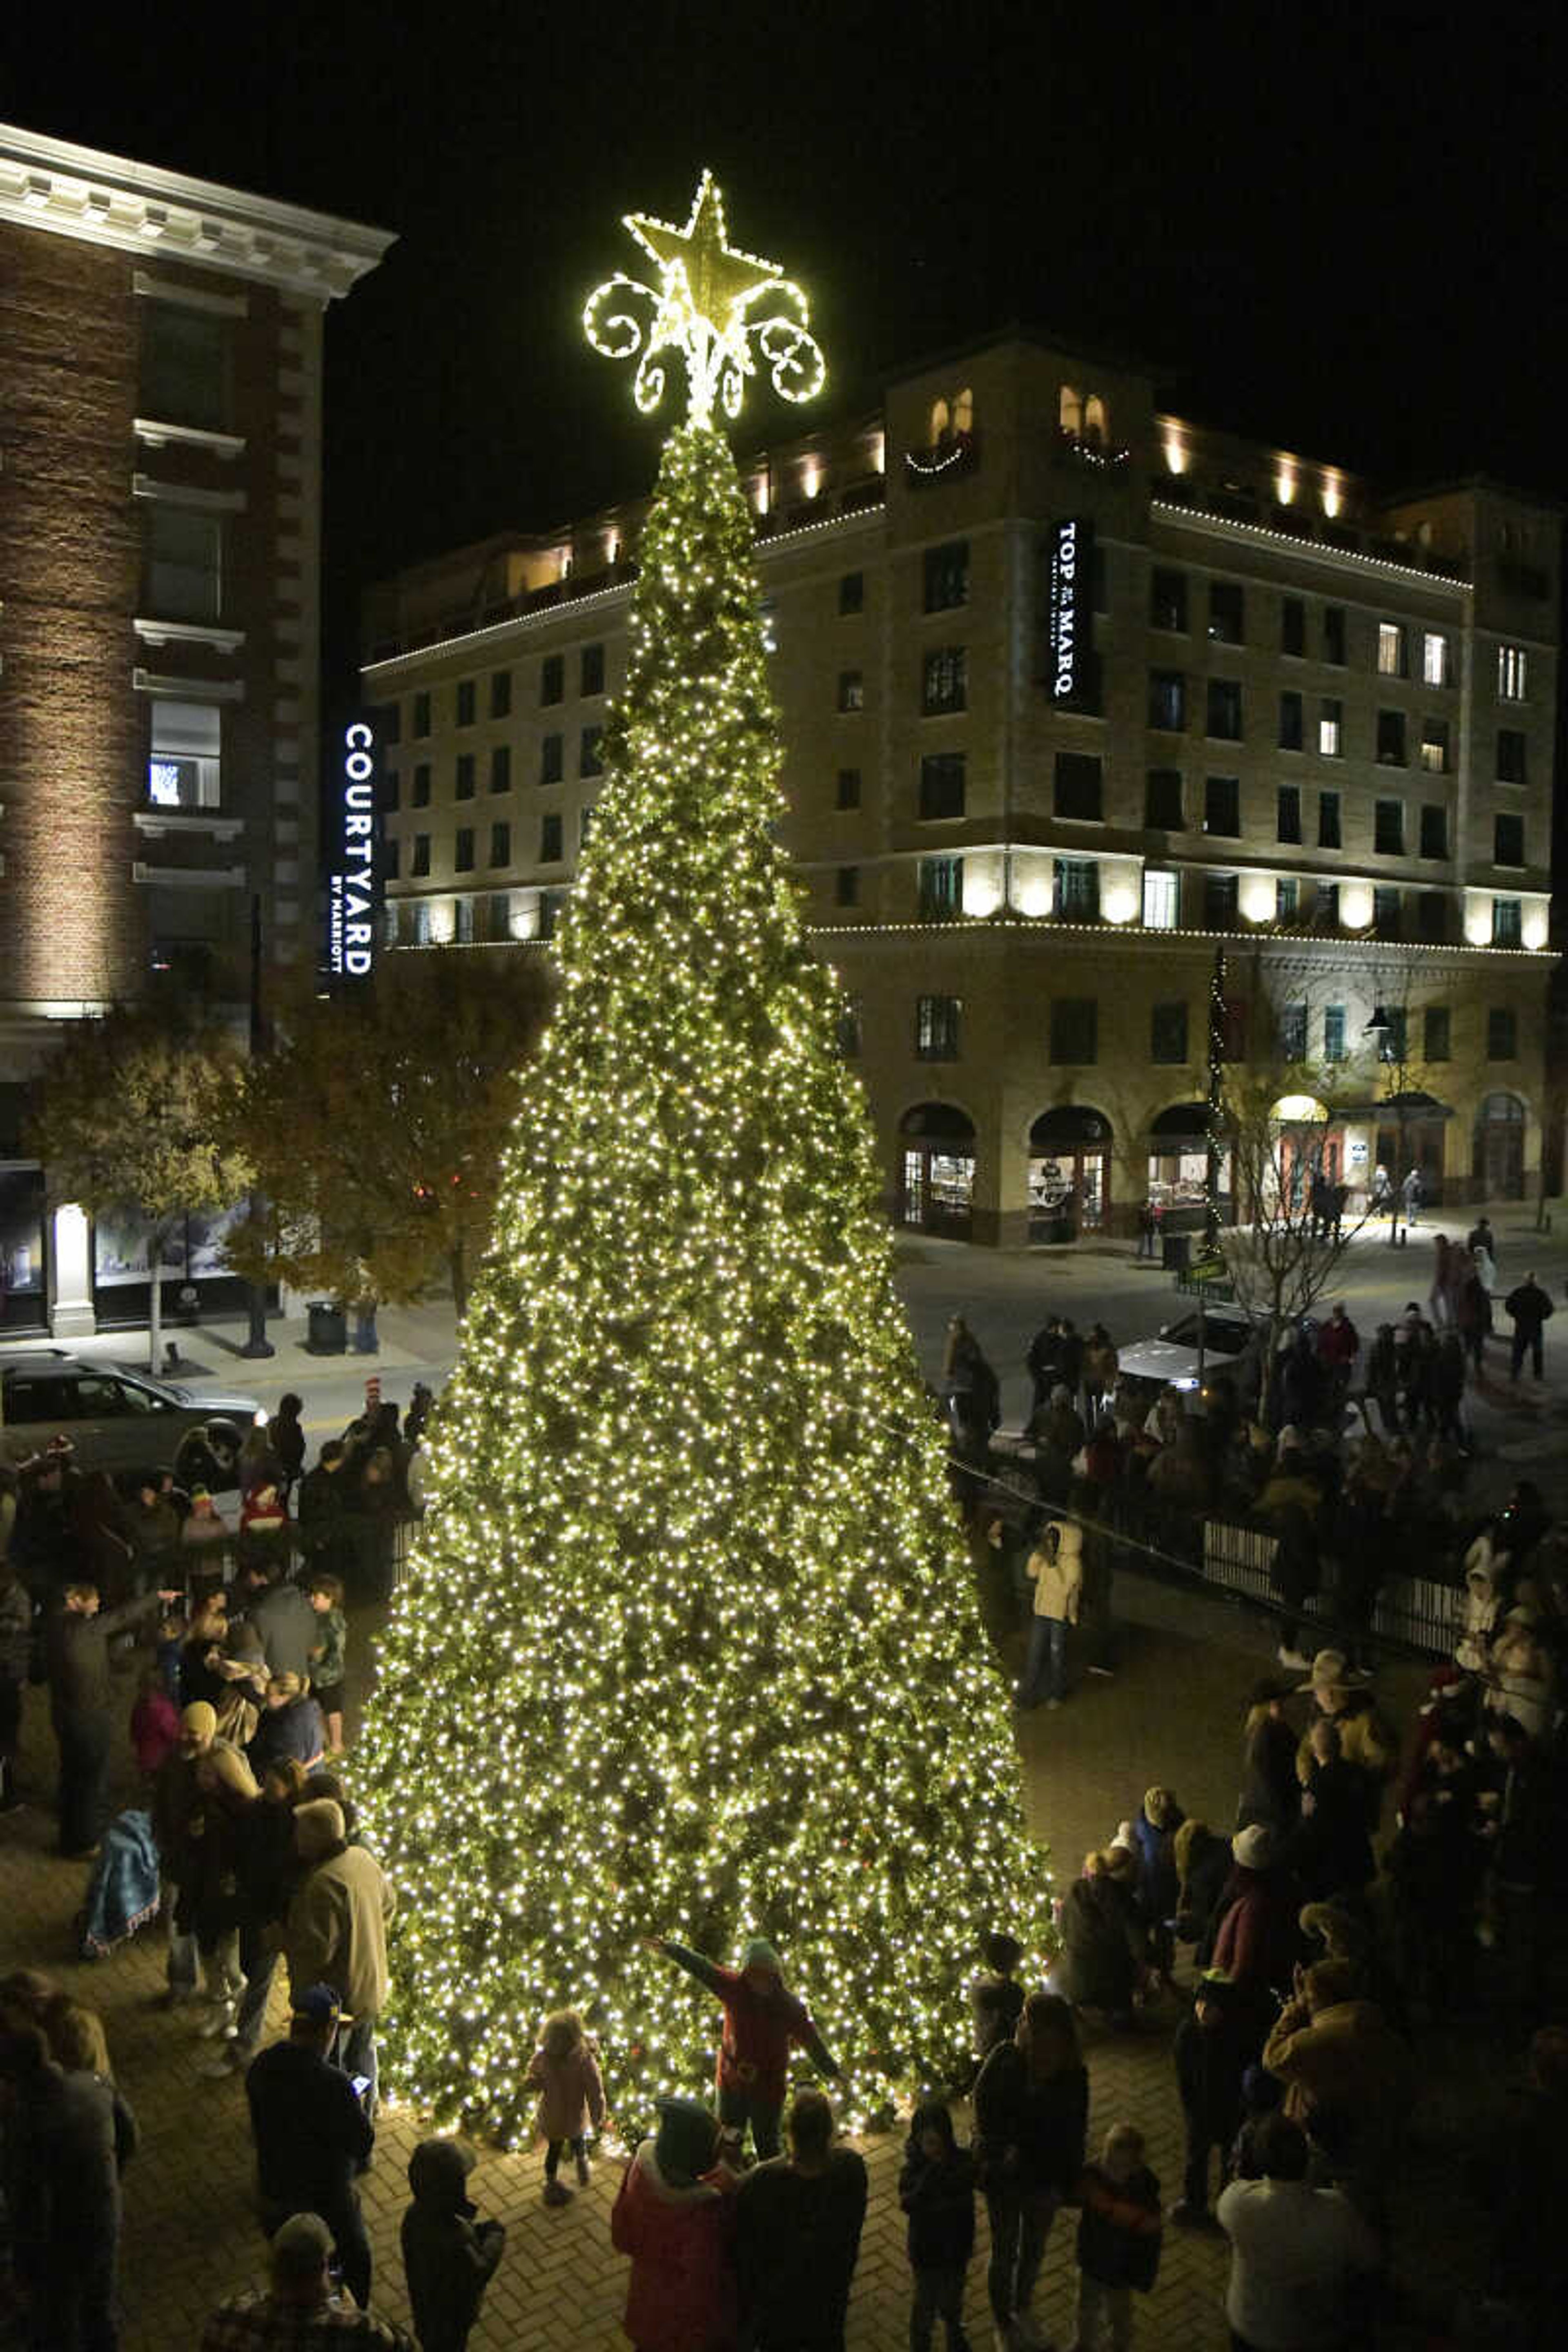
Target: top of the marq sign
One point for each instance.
(715, 307)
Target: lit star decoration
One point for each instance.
(689, 1645)
(714, 306)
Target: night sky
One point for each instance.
(1340, 228)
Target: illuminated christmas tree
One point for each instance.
(691, 1644)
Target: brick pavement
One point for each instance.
(1171, 1714)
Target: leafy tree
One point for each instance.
(376, 1125)
(133, 1117)
(690, 1645)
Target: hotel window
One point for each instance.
(591, 679)
(940, 890)
(1502, 1035)
(419, 795)
(419, 862)
(1391, 739)
(1287, 898)
(590, 762)
(1219, 902)
(501, 843)
(849, 1029)
(498, 924)
(463, 855)
(1330, 729)
(1167, 700)
(1163, 800)
(852, 593)
(1388, 828)
(1432, 916)
(1233, 1022)
(1333, 1032)
(501, 767)
(937, 1020)
(846, 885)
(1078, 787)
(550, 838)
(1288, 813)
(1168, 1031)
(1433, 829)
(392, 857)
(391, 793)
(1507, 840)
(944, 684)
(1292, 723)
(1435, 658)
(847, 789)
(1512, 673)
(465, 922)
(1162, 893)
(553, 678)
(1222, 806)
(1434, 746)
(551, 903)
(1293, 1032)
(585, 825)
(943, 785)
(1075, 891)
(1434, 1033)
(1327, 912)
(1385, 911)
(1292, 626)
(419, 718)
(1394, 1044)
(184, 564)
(389, 717)
(468, 701)
(947, 576)
(1329, 820)
(185, 367)
(1223, 718)
(500, 694)
(1507, 923)
(851, 689)
(1510, 756)
(1168, 600)
(551, 758)
(1074, 1030)
(466, 780)
(1334, 634)
(184, 767)
(1390, 649)
(420, 931)
(1227, 613)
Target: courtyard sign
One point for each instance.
(352, 885)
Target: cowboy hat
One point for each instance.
(1329, 1671)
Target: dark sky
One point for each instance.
(1341, 227)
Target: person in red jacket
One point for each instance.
(1339, 1344)
(674, 2215)
(762, 2023)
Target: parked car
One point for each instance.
(118, 1420)
(1233, 1343)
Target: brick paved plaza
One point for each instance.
(1171, 1714)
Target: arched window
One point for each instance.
(941, 422)
(964, 411)
(1069, 410)
(1094, 421)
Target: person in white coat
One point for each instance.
(1055, 1567)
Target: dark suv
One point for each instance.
(118, 1420)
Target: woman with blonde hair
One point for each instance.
(291, 1726)
(76, 2037)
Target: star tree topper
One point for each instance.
(714, 306)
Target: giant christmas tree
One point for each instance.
(689, 1646)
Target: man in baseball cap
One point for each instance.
(300, 2296)
(312, 2134)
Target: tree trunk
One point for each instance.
(154, 1301)
(458, 1262)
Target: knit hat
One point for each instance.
(318, 1828)
(760, 1954)
(684, 2146)
(199, 1720)
(1253, 1847)
(300, 2245)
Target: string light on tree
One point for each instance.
(689, 1645)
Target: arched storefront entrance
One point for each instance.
(1306, 1148)
(1498, 1155)
(1069, 1173)
(1178, 1169)
(936, 1170)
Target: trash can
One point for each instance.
(328, 1330)
(1176, 1252)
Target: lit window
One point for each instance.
(1333, 1032)
(1435, 658)
(1160, 901)
(937, 1020)
(851, 690)
(183, 768)
(1069, 410)
(1331, 726)
(1512, 671)
(945, 683)
(1094, 421)
(1434, 746)
(1390, 649)
(964, 411)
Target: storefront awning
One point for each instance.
(1413, 1104)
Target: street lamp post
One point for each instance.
(1391, 1031)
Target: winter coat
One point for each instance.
(759, 2030)
(572, 2094)
(681, 2293)
(1367, 1739)
(1345, 2069)
(1529, 1306)
(1058, 1582)
(1102, 1945)
(448, 2258)
(939, 2202)
(288, 1628)
(16, 1630)
(1119, 2231)
(1483, 1604)
(1208, 1867)
(1259, 1943)
(1210, 2061)
(1269, 1789)
(1331, 1850)
(335, 1932)
(1158, 1889)
(798, 2240)
(995, 2003)
(67, 2138)
(1524, 1680)
(154, 1729)
(76, 1647)
(1044, 2122)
